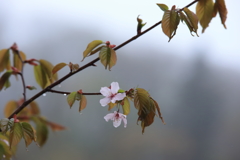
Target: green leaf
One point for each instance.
(58, 67)
(16, 134)
(17, 63)
(140, 25)
(204, 11)
(4, 81)
(71, 98)
(163, 7)
(108, 57)
(4, 148)
(141, 99)
(126, 106)
(4, 60)
(40, 76)
(41, 130)
(83, 103)
(90, 47)
(170, 23)
(29, 133)
(111, 105)
(47, 69)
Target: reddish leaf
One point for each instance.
(83, 103)
(220, 6)
(55, 126)
(204, 11)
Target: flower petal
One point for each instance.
(117, 122)
(114, 87)
(125, 120)
(105, 91)
(105, 101)
(118, 97)
(109, 116)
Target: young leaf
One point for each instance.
(34, 109)
(16, 134)
(111, 105)
(204, 11)
(29, 134)
(58, 67)
(83, 103)
(4, 60)
(47, 69)
(170, 22)
(126, 106)
(192, 18)
(41, 130)
(220, 6)
(90, 47)
(71, 98)
(40, 76)
(140, 25)
(10, 107)
(4, 148)
(16, 60)
(55, 126)
(158, 110)
(108, 57)
(4, 82)
(141, 99)
(163, 7)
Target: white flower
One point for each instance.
(111, 94)
(116, 118)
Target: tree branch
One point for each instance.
(84, 67)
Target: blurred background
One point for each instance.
(194, 79)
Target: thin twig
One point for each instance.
(83, 67)
(67, 93)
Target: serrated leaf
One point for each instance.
(4, 60)
(90, 47)
(108, 57)
(158, 110)
(204, 11)
(126, 106)
(47, 68)
(163, 7)
(220, 6)
(192, 18)
(16, 134)
(17, 63)
(141, 99)
(58, 67)
(4, 82)
(34, 109)
(83, 103)
(71, 98)
(40, 76)
(41, 130)
(29, 133)
(170, 23)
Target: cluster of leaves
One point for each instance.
(14, 130)
(205, 11)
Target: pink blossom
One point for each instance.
(117, 118)
(111, 94)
